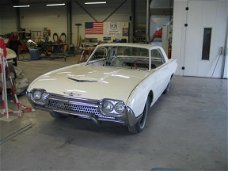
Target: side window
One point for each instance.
(132, 51)
(156, 57)
(100, 53)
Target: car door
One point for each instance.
(161, 74)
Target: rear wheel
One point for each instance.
(57, 115)
(140, 125)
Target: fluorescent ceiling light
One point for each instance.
(52, 5)
(21, 6)
(91, 3)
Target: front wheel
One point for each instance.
(140, 125)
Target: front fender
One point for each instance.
(138, 98)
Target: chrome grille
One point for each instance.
(72, 107)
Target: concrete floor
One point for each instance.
(186, 130)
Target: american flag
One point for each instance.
(93, 27)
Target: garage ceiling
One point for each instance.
(13, 2)
(154, 3)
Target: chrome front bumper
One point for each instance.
(83, 108)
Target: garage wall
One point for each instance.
(38, 16)
(99, 12)
(35, 18)
(7, 20)
(188, 40)
(179, 33)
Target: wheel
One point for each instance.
(57, 115)
(140, 125)
(15, 61)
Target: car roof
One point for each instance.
(147, 46)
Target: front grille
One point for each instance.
(72, 107)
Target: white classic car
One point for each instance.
(118, 83)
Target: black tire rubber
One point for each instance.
(57, 115)
(140, 125)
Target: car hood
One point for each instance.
(91, 82)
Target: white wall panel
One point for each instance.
(188, 41)
(178, 49)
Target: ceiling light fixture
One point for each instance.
(52, 5)
(21, 6)
(92, 3)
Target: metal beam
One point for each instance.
(132, 21)
(69, 22)
(114, 10)
(148, 21)
(80, 5)
(18, 20)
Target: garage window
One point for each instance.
(206, 43)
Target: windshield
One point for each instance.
(121, 56)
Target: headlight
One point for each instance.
(112, 107)
(39, 96)
(119, 107)
(107, 106)
(44, 96)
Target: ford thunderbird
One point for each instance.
(118, 83)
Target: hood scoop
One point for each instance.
(82, 79)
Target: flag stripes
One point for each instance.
(93, 27)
